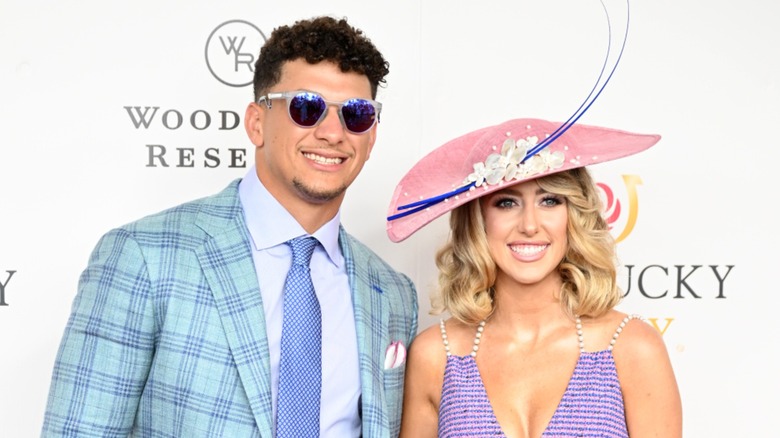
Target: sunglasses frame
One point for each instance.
(290, 95)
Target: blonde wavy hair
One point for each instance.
(467, 272)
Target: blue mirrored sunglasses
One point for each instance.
(307, 109)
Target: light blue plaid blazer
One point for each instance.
(167, 332)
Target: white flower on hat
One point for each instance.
(480, 173)
(541, 162)
(507, 165)
(554, 160)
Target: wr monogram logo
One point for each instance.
(231, 50)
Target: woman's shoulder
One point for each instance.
(428, 339)
(427, 347)
(635, 343)
(646, 378)
(448, 335)
(427, 358)
(623, 332)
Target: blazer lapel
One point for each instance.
(371, 324)
(227, 264)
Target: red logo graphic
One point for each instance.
(613, 208)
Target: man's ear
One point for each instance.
(253, 123)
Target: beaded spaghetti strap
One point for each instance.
(477, 338)
(444, 337)
(620, 328)
(617, 333)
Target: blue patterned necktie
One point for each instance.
(300, 368)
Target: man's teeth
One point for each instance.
(528, 250)
(322, 160)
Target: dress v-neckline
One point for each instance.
(483, 391)
(593, 392)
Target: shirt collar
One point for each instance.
(270, 224)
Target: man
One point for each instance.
(180, 327)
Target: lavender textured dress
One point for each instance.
(592, 405)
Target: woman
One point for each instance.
(534, 346)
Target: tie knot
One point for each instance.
(302, 248)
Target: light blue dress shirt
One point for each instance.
(270, 226)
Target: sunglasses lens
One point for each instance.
(359, 115)
(307, 108)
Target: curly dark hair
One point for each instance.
(316, 40)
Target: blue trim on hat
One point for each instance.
(425, 203)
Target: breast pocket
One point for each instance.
(394, 378)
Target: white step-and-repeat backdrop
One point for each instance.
(114, 110)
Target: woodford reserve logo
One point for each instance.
(4, 287)
(154, 118)
(231, 50)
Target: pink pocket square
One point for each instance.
(395, 356)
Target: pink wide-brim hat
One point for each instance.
(497, 157)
